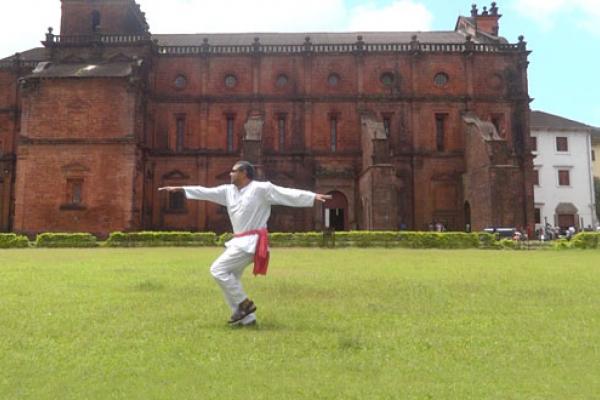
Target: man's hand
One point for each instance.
(323, 197)
(170, 188)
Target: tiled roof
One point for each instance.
(274, 38)
(541, 120)
(35, 54)
(109, 70)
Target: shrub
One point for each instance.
(586, 240)
(488, 241)
(156, 239)
(561, 244)
(12, 240)
(300, 239)
(66, 240)
(450, 240)
(508, 244)
(224, 238)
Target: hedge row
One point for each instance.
(156, 239)
(403, 239)
(66, 240)
(12, 240)
(582, 240)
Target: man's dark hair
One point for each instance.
(247, 168)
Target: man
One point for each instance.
(248, 204)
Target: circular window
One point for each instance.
(230, 81)
(387, 78)
(441, 79)
(496, 82)
(282, 80)
(180, 81)
(333, 79)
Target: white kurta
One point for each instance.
(250, 207)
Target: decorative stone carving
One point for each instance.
(253, 128)
(372, 128)
(486, 129)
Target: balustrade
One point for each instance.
(307, 46)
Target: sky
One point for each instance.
(564, 35)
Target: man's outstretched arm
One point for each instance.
(216, 194)
(323, 197)
(294, 197)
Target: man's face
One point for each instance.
(236, 175)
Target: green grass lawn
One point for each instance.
(333, 324)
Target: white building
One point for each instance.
(563, 181)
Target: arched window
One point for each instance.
(95, 20)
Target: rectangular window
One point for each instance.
(593, 155)
(536, 177)
(387, 123)
(176, 201)
(281, 130)
(333, 133)
(179, 132)
(440, 122)
(533, 143)
(537, 215)
(562, 144)
(75, 191)
(563, 177)
(230, 121)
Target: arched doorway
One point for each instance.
(467, 217)
(336, 212)
(566, 216)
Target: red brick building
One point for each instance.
(404, 129)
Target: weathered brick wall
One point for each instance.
(107, 172)
(9, 125)
(309, 101)
(78, 109)
(78, 129)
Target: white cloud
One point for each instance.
(23, 24)
(548, 13)
(401, 15)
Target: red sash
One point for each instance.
(261, 253)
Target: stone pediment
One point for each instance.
(175, 175)
(75, 168)
(566, 208)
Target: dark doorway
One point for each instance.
(335, 212)
(336, 219)
(565, 221)
(467, 217)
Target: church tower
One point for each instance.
(88, 17)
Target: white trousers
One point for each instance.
(227, 271)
